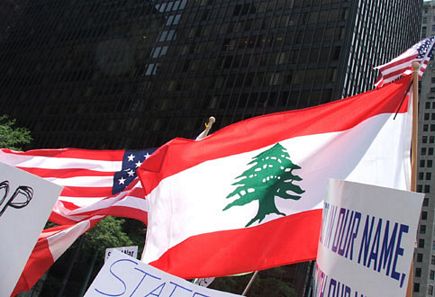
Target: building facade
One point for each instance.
(135, 73)
(424, 262)
(130, 73)
(10, 12)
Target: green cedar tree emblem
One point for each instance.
(271, 175)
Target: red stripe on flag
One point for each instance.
(83, 192)
(64, 173)
(125, 212)
(103, 155)
(69, 205)
(398, 62)
(205, 256)
(137, 192)
(59, 219)
(397, 73)
(38, 263)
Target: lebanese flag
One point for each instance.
(249, 196)
(51, 244)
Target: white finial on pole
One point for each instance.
(208, 125)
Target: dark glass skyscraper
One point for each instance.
(10, 12)
(136, 73)
(130, 73)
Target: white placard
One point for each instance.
(367, 240)
(25, 204)
(204, 282)
(128, 250)
(123, 275)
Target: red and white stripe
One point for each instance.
(87, 180)
(402, 65)
(51, 244)
(365, 138)
(390, 72)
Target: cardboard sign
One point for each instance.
(367, 240)
(25, 204)
(128, 250)
(123, 275)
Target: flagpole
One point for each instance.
(203, 134)
(209, 124)
(414, 149)
(251, 281)
(414, 141)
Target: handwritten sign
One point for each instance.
(25, 204)
(367, 240)
(123, 275)
(128, 250)
(204, 282)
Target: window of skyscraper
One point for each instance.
(424, 215)
(421, 243)
(422, 229)
(416, 287)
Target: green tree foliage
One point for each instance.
(12, 137)
(271, 175)
(106, 234)
(136, 231)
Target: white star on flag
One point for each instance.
(130, 173)
(121, 181)
(147, 155)
(138, 163)
(130, 157)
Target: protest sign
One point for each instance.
(204, 282)
(128, 250)
(123, 275)
(25, 204)
(367, 240)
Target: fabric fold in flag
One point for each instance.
(402, 65)
(51, 244)
(249, 196)
(96, 182)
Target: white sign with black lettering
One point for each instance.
(367, 240)
(122, 275)
(25, 204)
(128, 250)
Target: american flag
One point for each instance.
(420, 52)
(95, 182)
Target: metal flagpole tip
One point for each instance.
(209, 124)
